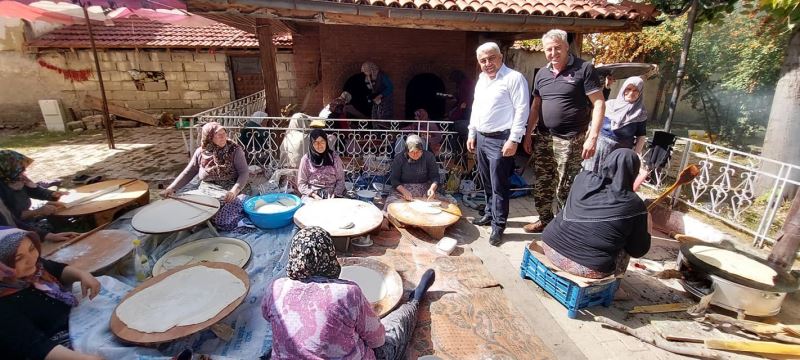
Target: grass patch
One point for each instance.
(37, 139)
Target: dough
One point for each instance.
(171, 215)
(273, 208)
(188, 297)
(735, 263)
(425, 207)
(370, 281)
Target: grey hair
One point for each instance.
(487, 47)
(555, 34)
(413, 142)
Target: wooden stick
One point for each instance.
(764, 347)
(128, 183)
(191, 201)
(76, 239)
(660, 308)
(660, 343)
(688, 174)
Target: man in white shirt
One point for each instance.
(496, 126)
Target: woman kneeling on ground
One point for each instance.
(321, 174)
(315, 315)
(604, 222)
(35, 300)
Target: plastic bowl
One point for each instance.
(273, 220)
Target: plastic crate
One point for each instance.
(567, 292)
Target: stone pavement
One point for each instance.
(157, 155)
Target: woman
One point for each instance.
(35, 300)
(295, 141)
(414, 173)
(624, 125)
(16, 192)
(321, 174)
(339, 323)
(340, 108)
(381, 90)
(221, 166)
(603, 223)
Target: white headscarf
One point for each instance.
(295, 142)
(621, 112)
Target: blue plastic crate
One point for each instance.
(567, 292)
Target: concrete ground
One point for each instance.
(158, 154)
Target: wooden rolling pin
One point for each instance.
(76, 239)
(688, 174)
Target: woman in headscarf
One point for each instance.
(35, 300)
(321, 174)
(603, 223)
(220, 165)
(624, 124)
(16, 192)
(381, 90)
(338, 323)
(295, 141)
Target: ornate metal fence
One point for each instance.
(743, 190)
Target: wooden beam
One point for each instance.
(268, 63)
(763, 347)
(121, 111)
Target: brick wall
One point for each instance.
(338, 52)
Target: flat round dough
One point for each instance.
(370, 281)
(187, 297)
(426, 207)
(735, 263)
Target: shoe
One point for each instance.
(485, 220)
(425, 282)
(536, 227)
(497, 237)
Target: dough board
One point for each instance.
(365, 272)
(96, 252)
(122, 196)
(735, 263)
(170, 215)
(434, 222)
(334, 215)
(125, 333)
(217, 249)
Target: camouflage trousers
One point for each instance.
(556, 161)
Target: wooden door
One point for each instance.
(247, 77)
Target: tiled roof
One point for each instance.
(594, 9)
(136, 32)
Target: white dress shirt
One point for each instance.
(500, 104)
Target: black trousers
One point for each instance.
(495, 172)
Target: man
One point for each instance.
(562, 96)
(496, 127)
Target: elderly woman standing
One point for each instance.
(381, 89)
(414, 173)
(35, 300)
(339, 323)
(321, 174)
(624, 124)
(221, 166)
(604, 222)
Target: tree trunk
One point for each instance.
(662, 84)
(687, 43)
(785, 249)
(781, 140)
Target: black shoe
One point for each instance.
(497, 237)
(485, 220)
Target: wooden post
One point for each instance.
(786, 245)
(687, 42)
(106, 118)
(268, 71)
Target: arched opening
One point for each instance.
(358, 89)
(421, 93)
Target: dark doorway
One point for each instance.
(358, 89)
(247, 79)
(421, 93)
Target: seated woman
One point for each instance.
(321, 174)
(35, 300)
(414, 172)
(16, 192)
(221, 166)
(339, 323)
(603, 223)
(624, 125)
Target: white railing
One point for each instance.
(743, 190)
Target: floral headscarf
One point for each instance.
(216, 161)
(12, 166)
(312, 254)
(10, 239)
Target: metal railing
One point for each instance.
(743, 190)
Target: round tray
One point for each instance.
(169, 215)
(391, 279)
(136, 337)
(217, 249)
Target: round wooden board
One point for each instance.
(125, 333)
(170, 215)
(330, 212)
(129, 193)
(394, 290)
(407, 214)
(96, 252)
